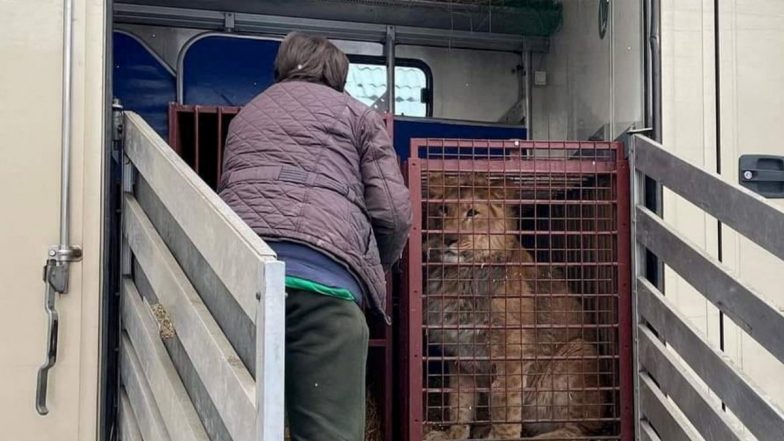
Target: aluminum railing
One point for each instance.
(678, 372)
(202, 307)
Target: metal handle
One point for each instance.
(51, 277)
(55, 282)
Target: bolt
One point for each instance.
(52, 253)
(748, 174)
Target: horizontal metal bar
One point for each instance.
(173, 402)
(743, 210)
(279, 25)
(228, 383)
(763, 418)
(516, 167)
(228, 245)
(129, 427)
(270, 353)
(679, 385)
(758, 317)
(662, 413)
(148, 416)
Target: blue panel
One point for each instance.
(228, 71)
(142, 83)
(406, 129)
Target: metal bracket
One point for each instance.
(65, 254)
(627, 135)
(228, 21)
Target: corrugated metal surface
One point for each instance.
(368, 83)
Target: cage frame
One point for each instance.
(412, 356)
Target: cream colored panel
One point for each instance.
(31, 51)
(688, 104)
(752, 121)
(577, 100)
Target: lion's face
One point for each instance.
(474, 222)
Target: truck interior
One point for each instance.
(555, 83)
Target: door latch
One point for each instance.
(762, 174)
(56, 277)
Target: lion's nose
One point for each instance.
(449, 241)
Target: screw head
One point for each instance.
(748, 174)
(52, 253)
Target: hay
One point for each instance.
(374, 429)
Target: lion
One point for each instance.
(529, 347)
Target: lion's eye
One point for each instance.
(471, 212)
(441, 211)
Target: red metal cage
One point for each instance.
(516, 319)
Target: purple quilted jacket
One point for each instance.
(306, 163)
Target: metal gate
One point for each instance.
(686, 388)
(201, 353)
(518, 309)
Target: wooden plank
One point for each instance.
(129, 427)
(150, 421)
(213, 424)
(662, 413)
(229, 384)
(647, 433)
(237, 327)
(763, 418)
(742, 209)
(182, 421)
(690, 396)
(757, 316)
(230, 247)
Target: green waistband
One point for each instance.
(311, 286)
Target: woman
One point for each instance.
(313, 172)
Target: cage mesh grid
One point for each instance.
(518, 323)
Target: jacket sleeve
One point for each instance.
(386, 196)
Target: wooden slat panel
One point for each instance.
(743, 210)
(175, 406)
(145, 409)
(129, 427)
(237, 327)
(230, 247)
(687, 394)
(662, 414)
(763, 418)
(228, 383)
(647, 433)
(758, 317)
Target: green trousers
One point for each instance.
(326, 350)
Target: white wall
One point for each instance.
(593, 83)
(31, 50)
(751, 115)
(469, 84)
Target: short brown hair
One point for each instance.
(309, 58)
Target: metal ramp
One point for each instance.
(202, 341)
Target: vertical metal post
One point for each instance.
(652, 196)
(528, 85)
(270, 352)
(65, 128)
(637, 194)
(389, 49)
